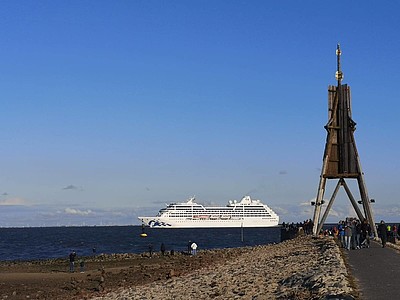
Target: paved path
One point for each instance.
(377, 271)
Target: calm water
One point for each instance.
(55, 242)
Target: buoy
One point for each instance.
(143, 234)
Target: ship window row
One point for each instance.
(246, 208)
(219, 220)
(218, 212)
(210, 216)
(215, 211)
(187, 208)
(237, 212)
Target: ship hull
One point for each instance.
(159, 222)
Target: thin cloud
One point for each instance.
(280, 210)
(73, 211)
(14, 201)
(73, 187)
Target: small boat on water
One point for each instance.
(189, 214)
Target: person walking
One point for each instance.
(341, 227)
(82, 266)
(72, 257)
(398, 231)
(353, 234)
(162, 248)
(382, 230)
(365, 233)
(194, 248)
(347, 236)
(358, 234)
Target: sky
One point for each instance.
(112, 109)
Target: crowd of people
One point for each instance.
(291, 230)
(191, 249)
(388, 233)
(355, 234)
(351, 233)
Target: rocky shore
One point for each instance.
(301, 268)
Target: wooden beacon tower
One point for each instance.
(341, 160)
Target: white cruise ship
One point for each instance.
(189, 214)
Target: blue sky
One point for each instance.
(112, 109)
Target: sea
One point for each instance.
(35, 243)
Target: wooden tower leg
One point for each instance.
(366, 203)
(318, 203)
(328, 208)
(353, 201)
